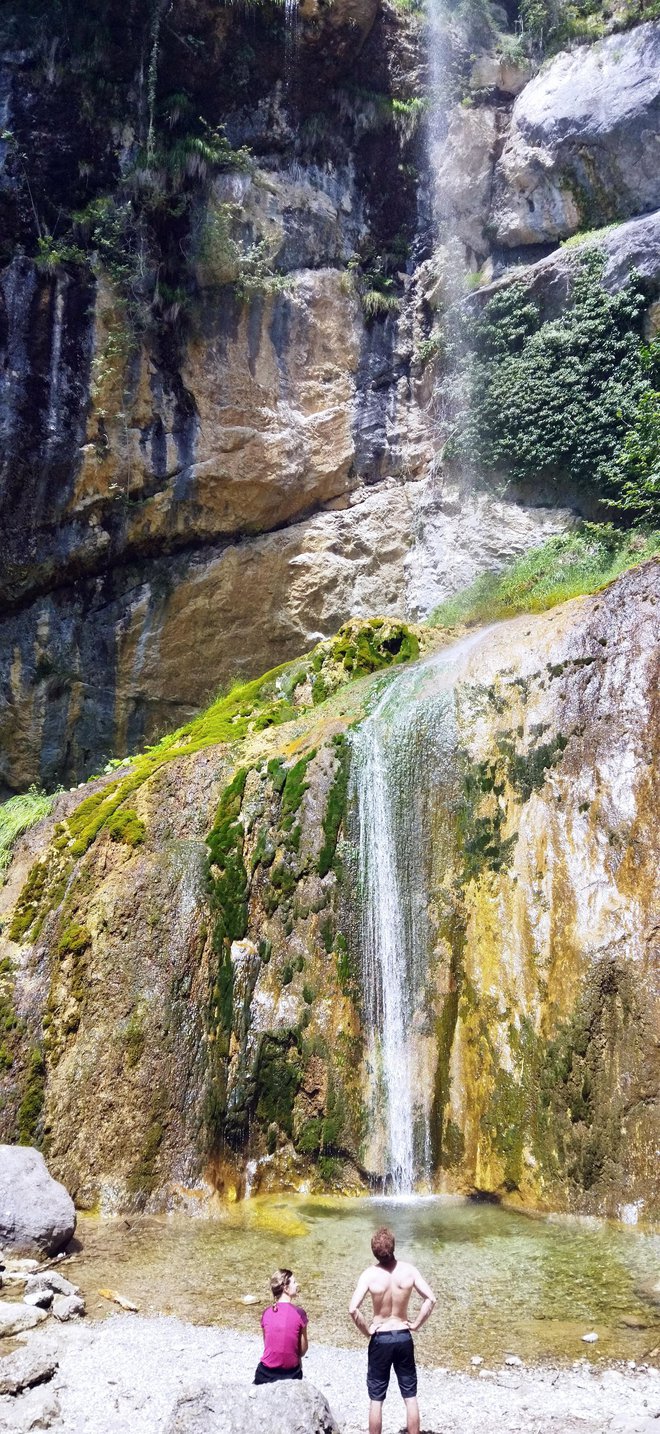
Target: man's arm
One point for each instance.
(428, 1302)
(303, 1341)
(361, 1289)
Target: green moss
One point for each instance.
(143, 1177)
(31, 1106)
(277, 1081)
(125, 826)
(74, 939)
(133, 1039)
(29, 901)
(347, 974)
(335, 805)
(479, 831)
(526, 771)
(228, 881)
(295, 784)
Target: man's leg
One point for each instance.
(412, 1415)
(376, 1416)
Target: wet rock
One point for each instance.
(584, 142)
(15, 1318)
(36, 1212)
(286, 1408)
(66, 1307)
(23, 1369)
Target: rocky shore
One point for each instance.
(131, 1375)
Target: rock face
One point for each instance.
(584, 141)
(284, 1408)
(36, 1212)
(199, 1004)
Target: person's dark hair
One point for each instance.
(382, 1244)
(279, 1282)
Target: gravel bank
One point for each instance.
(122, 1376)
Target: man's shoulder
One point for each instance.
(405, 1268)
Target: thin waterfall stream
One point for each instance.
(402, 754)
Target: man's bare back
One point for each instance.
(390, 1292)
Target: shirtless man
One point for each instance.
(390, 1283)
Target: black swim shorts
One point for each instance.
(265, 1375)
(391, 1349)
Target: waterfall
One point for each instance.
(403, 753)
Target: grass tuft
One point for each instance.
(18, 815)
(570, 565)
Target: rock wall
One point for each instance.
(180, 953)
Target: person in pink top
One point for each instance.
(285, 1332)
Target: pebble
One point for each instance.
(590, 1338)
(476, 1360)
(249, 1299)
(514, 1360)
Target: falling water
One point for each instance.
(402, 753)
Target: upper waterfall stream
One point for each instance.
(402, 754)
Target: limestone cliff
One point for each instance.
(182, 990)
(223, 302)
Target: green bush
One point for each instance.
(575, 396)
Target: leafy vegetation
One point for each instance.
(17, 816)
(575, 396)
(570, 565)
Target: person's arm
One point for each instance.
(354, 1310)
(428, 1303)
(303, 1342)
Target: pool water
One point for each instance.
(505, 1282)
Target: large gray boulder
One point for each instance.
(285, 1408)
(584, 143)
(37, 1215)
(625, 247)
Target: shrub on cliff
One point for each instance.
(575, 396)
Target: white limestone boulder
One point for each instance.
(37, 1214)
(290, 1407)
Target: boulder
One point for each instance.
(285, 1408)
(634, 245)
(23, 1369)
(15, 1318)
(584, 143)
(36, 1213)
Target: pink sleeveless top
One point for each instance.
(281, 1325)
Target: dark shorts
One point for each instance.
(264, 1375)
(391, 1349)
